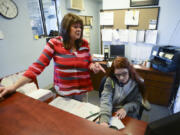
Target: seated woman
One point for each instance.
(122, 92)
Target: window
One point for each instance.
(44, 16)
(35, 18)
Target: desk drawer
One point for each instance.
(157, 84)
(160, 77)
(142, 74)
(158, 96)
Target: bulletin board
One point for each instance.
(145, 16)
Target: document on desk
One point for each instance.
(116, 123)
(75, 107)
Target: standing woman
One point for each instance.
(72, 62)
(121, 94)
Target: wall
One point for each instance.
(18, 49)
(168, 27)
(169, 19)
(169, 23)
(115, 4)
(92, 8)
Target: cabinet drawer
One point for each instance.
(158, 96)
(142, 74)
(160, 77)
(157, 84)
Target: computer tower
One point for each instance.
(106, 53)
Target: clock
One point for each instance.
(8, 9)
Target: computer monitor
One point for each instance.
(117, 50)
(169, 125)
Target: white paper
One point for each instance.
(106, 18)
(106, 34)
(123, 35)
(131, 17)
(115, 35)
(116, 122)
(140, 53)
(140, 35)
(132, 36)
(75, 107)
(152, 24)
(29, 89)
(151, 36)
(41, 94)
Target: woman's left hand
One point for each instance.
(121, 113)
(96, 67)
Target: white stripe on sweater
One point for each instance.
(66, 93)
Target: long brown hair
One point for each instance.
(122, 62)
(66, 23)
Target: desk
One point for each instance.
(158, 84)
(22, 115)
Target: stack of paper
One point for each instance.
(75, 107)
(29, 89)
(41, 94)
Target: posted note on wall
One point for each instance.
(106, 34)
(131, 17)
(151, 36)
(132, 36)
(106, 18)
(140, 35)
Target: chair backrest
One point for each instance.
(102, 86)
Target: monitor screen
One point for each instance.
(169, 125)
(117, 50)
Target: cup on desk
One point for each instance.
(148, 64)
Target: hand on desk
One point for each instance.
(6, 90)
(104, 124)
(96, 67)
(121, 113)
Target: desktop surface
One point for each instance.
(22, 115)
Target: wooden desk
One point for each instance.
(22, 115)
(158, 84)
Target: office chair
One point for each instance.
(142, 107)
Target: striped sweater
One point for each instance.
(71, 69)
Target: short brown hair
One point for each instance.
(66, 23)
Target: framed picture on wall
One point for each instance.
(89, 20)
(83, 18)
(138, 3)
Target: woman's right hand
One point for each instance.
(104, 124)
(6, 90)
